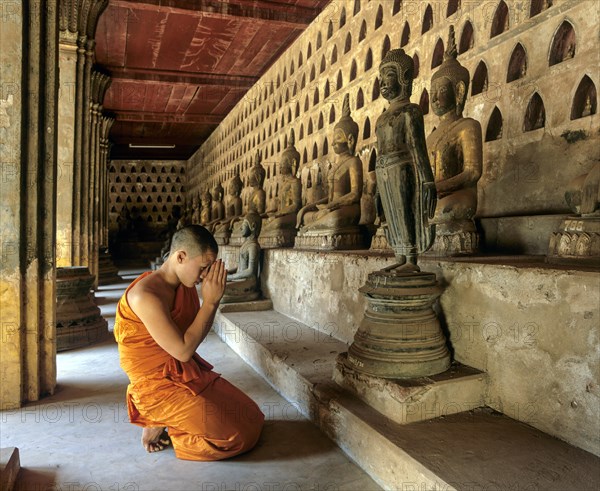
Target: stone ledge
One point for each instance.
(435, 454)
(10, 464)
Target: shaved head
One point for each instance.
(194, 240)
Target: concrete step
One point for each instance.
(472, 450)
(10, 465)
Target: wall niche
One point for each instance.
(585, 102)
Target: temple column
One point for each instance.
(29, 93)
(85, 155)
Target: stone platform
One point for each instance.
(10, 465)
(443, 453)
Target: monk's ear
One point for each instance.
(181, 256)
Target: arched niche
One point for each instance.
(360, 99)
(320, 123)
(438, 54)
(326, 90)
(427, 19)
(517, 66)
(405, 38)
(323, 64)
(494, 127)
(453, 6)
(363, 31)
(563, 44)
(316, 96)
(340, 81)
(332, 114)
(538, 6)
(334, 55)
(500, 23)
(585, 102)
(353, 70)
(309, 51)
(396, 7)
(343, 17)
(315, 152)
(416, 65)
(348, 43)
(309, 131)
(379, 18)
(369, 60)
(356, 7)
(535, 115)
(312, 73)
(424, 102)
(467, 38)
(480, 79)
(330, 30)
(385, 47)
(367, 129)
(372, 160)
(375, 91)
(325, 147)
(319, 42)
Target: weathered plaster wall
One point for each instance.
(524, 172)
(532, 328)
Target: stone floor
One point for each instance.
(80, 438)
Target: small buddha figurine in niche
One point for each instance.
(233, 210)
(196, 211)
(456, 154)
(332, 222)
(279, 228)
(242, 282)
(205, 208)
(404, 177)
(217, 212)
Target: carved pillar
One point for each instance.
(29, 91)
(107, 123)
(78, 150)
(85, 154)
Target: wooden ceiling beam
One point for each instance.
(153, 117)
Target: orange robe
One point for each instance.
(207, 417)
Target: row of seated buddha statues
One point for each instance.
(333, 205)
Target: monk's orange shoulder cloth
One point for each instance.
(151, 370)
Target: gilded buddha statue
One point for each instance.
(233, 211)
(217, 211)
(279, 229)
(456, 154)
(332, 222)
(205, 208)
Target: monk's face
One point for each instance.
(194, 269)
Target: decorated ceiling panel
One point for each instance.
(179, 66)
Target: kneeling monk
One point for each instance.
(159, 325)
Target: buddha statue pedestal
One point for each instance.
(236, 238)
(455, 238)
(222, 235)
(277, 237)
(78, 319)
(346, 238)
(400, 335)
(577, 241)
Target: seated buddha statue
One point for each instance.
(456, 154)
(242, 282)
(404, 177)
(217, 211)
(233, 210)
(257, 198)
(205, 207)
(332, 222)
(279, 229)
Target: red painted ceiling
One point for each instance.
(179, 66)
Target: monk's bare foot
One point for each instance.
(155, 439)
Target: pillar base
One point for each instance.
(455, 239)
(400, 336)
(78, 319)
(108, 274)
(270, 239)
